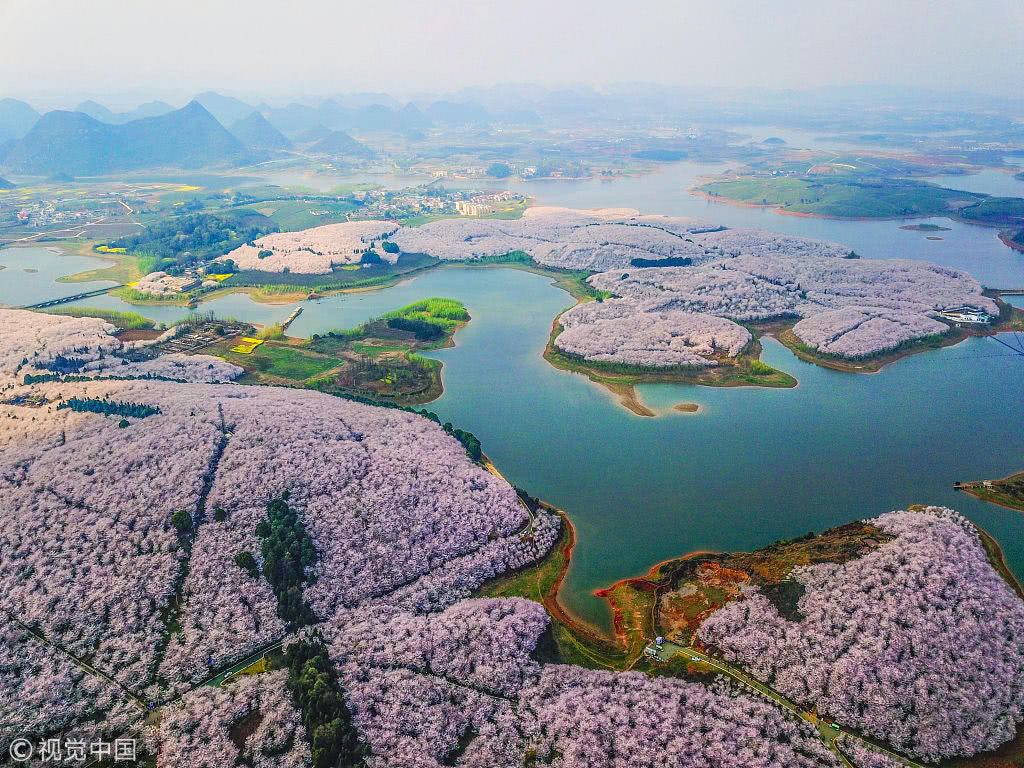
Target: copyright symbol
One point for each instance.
(21, 750)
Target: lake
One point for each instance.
(756, 464)
(19, 287)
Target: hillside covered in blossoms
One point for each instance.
(158, 530)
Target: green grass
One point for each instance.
(291, 282)
(122, 320)
(283, 361)
(447, 313)
(294, 215)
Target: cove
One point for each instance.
(754, 466)
(18, 287)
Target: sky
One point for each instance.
(266, 49)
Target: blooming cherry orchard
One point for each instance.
(919, 643)
(396, 511)
(865, 757)
(195, 732)
(133, 548)
(615, 331)
(43, 693)
(89, 553)
(35, 343)
(313, 251)
(848, 307)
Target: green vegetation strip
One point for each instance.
(126, 321)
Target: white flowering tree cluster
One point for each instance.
(919, 642)
(848, 307)
(35, 343)
(196, 731)
(865, 757)
(112, 537)
(616, 331)
(313, 251)
(43, 694)
(484, 643)
(560, 237)
(160, 284)
(89, 554)
(423, 526)
(417, 709)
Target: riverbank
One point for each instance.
(1006, 237)
(622, 380)
(1006, 492)
(1010, 319)
(676, 595)
(576, 641)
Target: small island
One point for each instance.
(841, 190)
(924, 228)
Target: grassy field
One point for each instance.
(376, 360)
(1008, 492)
(279, 360)
(125, 268)
(852, 198)
(339, 280)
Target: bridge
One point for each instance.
(68, 299)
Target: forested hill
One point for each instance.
(77, 144)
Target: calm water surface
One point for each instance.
(19, 286)
(755, 465)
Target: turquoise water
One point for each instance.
(755, 465)
(18, 287)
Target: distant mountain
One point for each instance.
(359, 100)
(316, 133)
(105, 115)
(450, 113)
(340, 143)
(16, 118)
(97, 112)
(255, 131)
(77, 144)
(150, 109)
(227, 109)
(5, 184)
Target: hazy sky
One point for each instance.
(258, 47)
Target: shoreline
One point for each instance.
(780, 209)
(1004, 238)
(976, 485)
(623, 385)
(649, 582)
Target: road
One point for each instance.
(829, 731)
